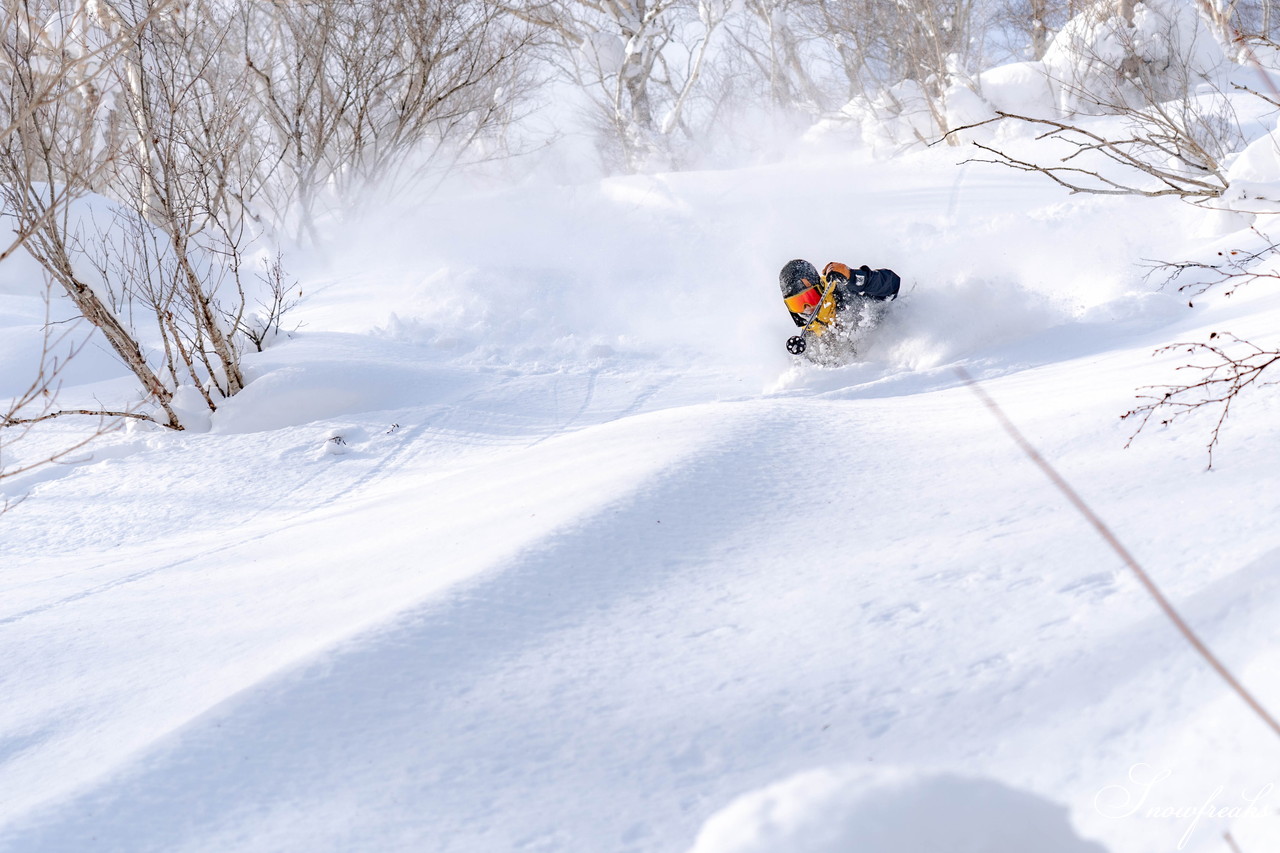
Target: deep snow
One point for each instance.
(593, 560)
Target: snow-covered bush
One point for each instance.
(1123, 55)
(1154, 76)
(1023, 88)
(896, 116)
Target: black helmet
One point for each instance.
(797, 276)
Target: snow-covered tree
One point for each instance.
(903, 60)
(58, 146)
(1121, 55)
(640, 62)
(1156, 69)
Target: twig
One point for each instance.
(39, 396)
(96, 413)
(1220, 384)
(1159, 139)
(1110, 538)
(1232, 269)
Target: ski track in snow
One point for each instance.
(599, 580)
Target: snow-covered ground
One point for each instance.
(534, 538)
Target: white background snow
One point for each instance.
(532, 537)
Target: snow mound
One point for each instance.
(892, 810)
(1022, 88)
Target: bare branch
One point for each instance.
(8, 421)
(1144, 152)
(1235, 269)
(1225, 367)
(36, 402)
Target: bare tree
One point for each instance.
(902, 59)
(207, 123)
(783, 43)
(1255, 20)
(640, 61)
(1032, 23)
(52, 61)
(163, 134)
(352, 90)
(179, 109)
(53, 154)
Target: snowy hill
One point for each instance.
(533, 537)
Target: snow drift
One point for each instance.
(887, 810)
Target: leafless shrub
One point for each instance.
(188, 298)
(166, 135)
(179, 110)
(281, 296)
(350, 91)
(207, 124)
(1224, 368)
(53, 61)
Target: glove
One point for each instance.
(836, 272)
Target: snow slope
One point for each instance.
(533, 538)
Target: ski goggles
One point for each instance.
(805, 302)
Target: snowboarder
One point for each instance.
(834, 304)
